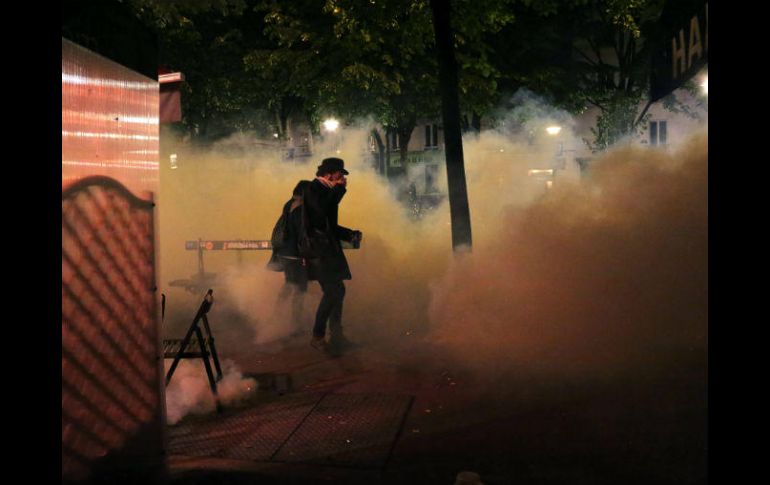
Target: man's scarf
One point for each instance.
(327, 183)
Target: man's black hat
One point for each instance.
(331, 165)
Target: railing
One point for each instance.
(201, 280)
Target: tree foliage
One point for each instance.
(258, 64)
(206, 40)
(584, 53)
(612, 44)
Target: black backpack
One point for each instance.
(280, 232)
(278, 241)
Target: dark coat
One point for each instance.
(321, 206)
(291, 228)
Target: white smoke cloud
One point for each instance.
(189, 391)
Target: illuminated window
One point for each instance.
(431, 136)
(658, 132)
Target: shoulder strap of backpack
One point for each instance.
(305, 221)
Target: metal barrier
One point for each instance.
(201, 280)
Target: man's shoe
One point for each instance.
(340, 343)
(334, 352)
(319, 343)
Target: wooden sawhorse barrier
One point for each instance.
(185, 348)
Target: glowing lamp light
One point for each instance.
(705, 86)
(536, 172)
(331, 124)
(553, 130)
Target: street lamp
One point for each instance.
(554, 130)
(331, 124)
(559, 162)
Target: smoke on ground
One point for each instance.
(189, 391)
(605, 270)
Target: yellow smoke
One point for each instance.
(601, 271)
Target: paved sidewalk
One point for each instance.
(641, 428)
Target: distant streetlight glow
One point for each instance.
(331, 124)
(535, 171)
(705, 85)
(553, 130)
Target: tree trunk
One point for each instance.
(203, 128)
(404, 130)
(283, 119)
(280, 124)
(388, 131)
(476, 123)
(380, 151)
(464, 125)
(450, 111)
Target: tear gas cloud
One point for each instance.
(189, 391)
(603, 271)
(606, 273)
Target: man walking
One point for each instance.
(323, 254)
(286, 253)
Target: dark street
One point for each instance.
(641, 426)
